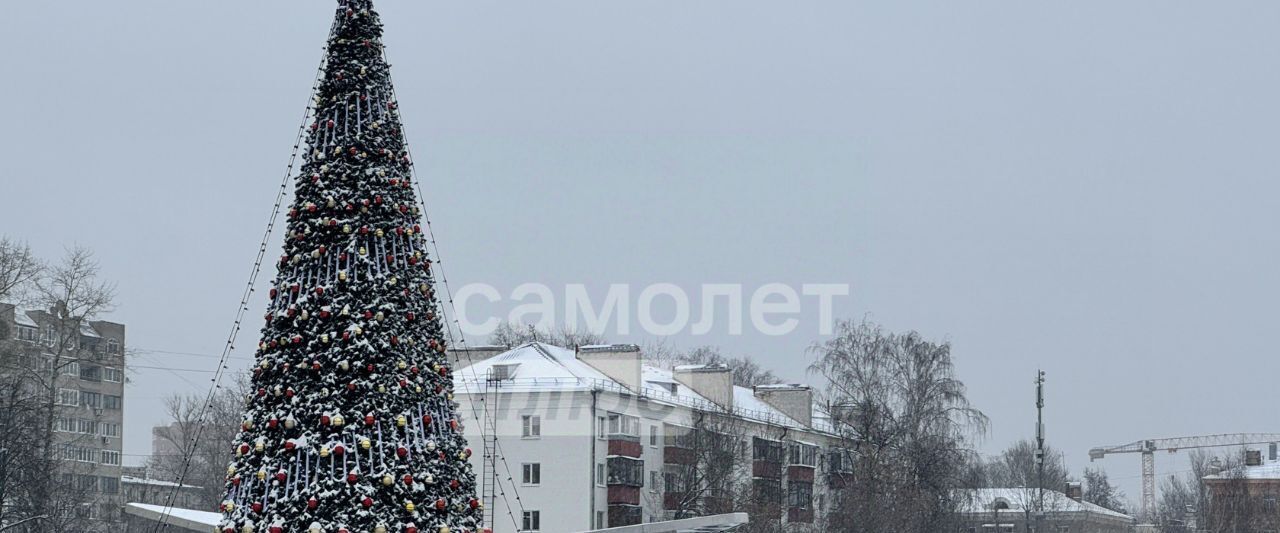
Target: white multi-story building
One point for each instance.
(593, 438)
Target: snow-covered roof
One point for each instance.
(1019, 499)
(542, 366)
(154, 482)
(546, 367)
(609, 348)
(782, 386)
(188, 519)
(696, 368)
(87, 330)
(23, 319)
(1269, 470)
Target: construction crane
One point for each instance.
(1148, 449)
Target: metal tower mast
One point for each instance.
(489, 478)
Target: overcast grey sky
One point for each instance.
(1088, 187)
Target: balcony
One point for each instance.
(625, 445)
(625, 515)
(800, 515)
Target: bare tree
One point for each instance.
(18, 269)
(1099, 491)
(1016, 467)
(205, 440)
(508, 334)
(745, 371)
(896, 399)
(53, 493)
(706, 467)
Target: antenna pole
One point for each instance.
(1040, 443)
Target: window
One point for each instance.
(88, 427)
(110, 485)
(532, 426)
(655, 480)
(68, 397)
(766, 450)
(600, 427)
(599, 519)
(49, 337)
(110, 457)
(504, 372)
(799, 495)
(112, 402)
(78, 453)
(532, 474)
(804, 454)
(841, 461)
(70, 368)
(65, 425)
(113, 375)
(29, 334)
(113, 346)
(626, 471)
(600, 474)
(620, 424)
(91, 372)
(766, 491)
(532, 521)
(653, 436)
(677, 436)
(87, 483)
(109, 429)
(91, 399)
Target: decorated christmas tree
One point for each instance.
(353, 427)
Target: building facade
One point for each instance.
(86, 368)
(594, 437)
(1245, 495)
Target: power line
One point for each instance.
(215, 382)
(444, 279)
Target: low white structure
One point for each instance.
(594, 438)
(703, 524)
(176, 519)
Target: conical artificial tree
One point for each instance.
(352, 426)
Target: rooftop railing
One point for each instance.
(480, 385)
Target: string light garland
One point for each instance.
(352, 386)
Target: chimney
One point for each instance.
(1075, 490)
(470, 355)
(1253, 457)
(621, 362)
(795, 401)
(713, 382)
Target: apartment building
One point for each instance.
(1014, 510)
(593, 437)
(88, 399)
